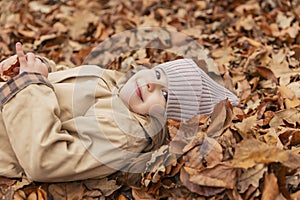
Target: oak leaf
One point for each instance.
(246, 156)
(209, 181)
(251, 176)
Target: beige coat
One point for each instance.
(79, 130)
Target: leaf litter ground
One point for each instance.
(246, 152)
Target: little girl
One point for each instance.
(88, 122)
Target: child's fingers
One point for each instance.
(21, 55)
(30, 59)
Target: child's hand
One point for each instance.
(30, 62)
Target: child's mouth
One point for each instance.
(139, 92)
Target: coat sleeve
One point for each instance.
(43, 149)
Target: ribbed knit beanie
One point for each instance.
(191, 91)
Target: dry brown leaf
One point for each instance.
(141, 195)
(159, 166)
(280, 67)
(247, 157)
(289, 95)
(21, 183)
(246, 23)
(271, 190)
(6, 189)
(209, 181)
(251, 177)
(92, 194)
(223, 56)
(246, 127)
(80, 21)
(250, 6)
(296, 195)
(283, 21)
(218, 176)
(41, 194)
(6, 181)
(183, 132)
(243, 90)
(205, 191)
(107, 187)
(221, 119)
(240, 35)
(286, 92)
(250, 41)
(202, 153)
(11, 71)
(271, 138)
(266, 73)
(289, 136)
(227, 140)
(39, 6)
(285, 118)
(72, 190)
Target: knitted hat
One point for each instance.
(191, 91)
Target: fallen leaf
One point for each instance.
(73, 190)
(285, 117)
(11, 71)
(270, 190)
(107, 187)
(141, 195)
(247, 23)
(80, 21)
(218, 176)
(247, 157)
(251, 176)
(289, 136)
(202, 153)
(221, 118)
(209, 181)
(246, 127)
(238, 35)
(266, 73)
(222, 56)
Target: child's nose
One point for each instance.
(151, 87)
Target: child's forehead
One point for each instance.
(151, 74)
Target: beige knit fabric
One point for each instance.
(191, 91)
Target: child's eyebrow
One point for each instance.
(161, 71)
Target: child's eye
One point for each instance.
(165, 94)
(157, 73)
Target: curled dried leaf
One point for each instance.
(221, 119)
(159, 166)
(11, 71)
(266, 73)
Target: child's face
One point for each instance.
(146, 92)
